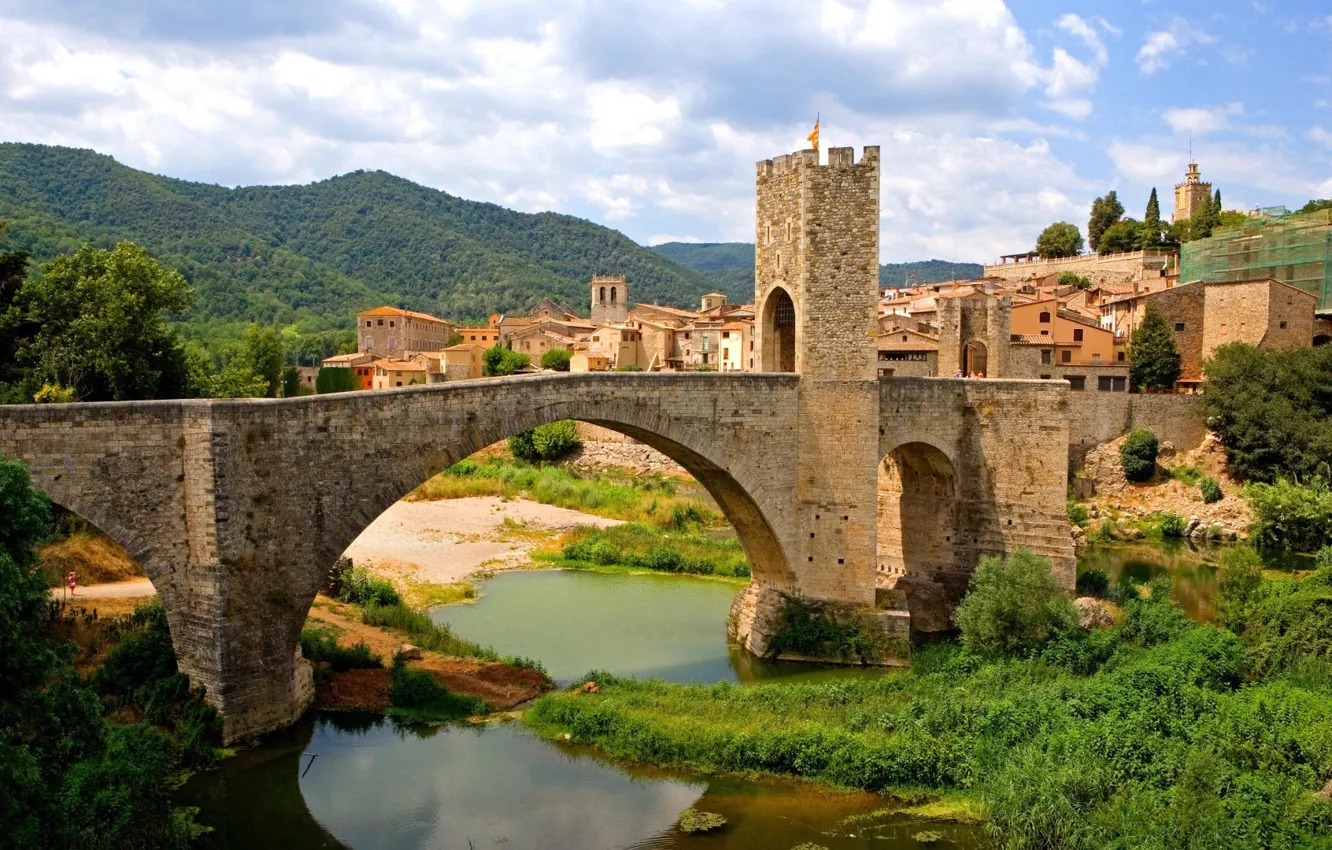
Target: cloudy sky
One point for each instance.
(995, 119)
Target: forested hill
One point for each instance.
(316, 254)
(730, 266)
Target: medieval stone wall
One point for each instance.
(1095, 418)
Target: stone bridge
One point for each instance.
(237, 509)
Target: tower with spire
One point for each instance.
(1191, 194)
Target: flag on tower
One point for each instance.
(814, 136)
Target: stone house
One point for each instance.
(582, 361)
(536, 340)
(463, 361)
(1069, 336)
(908, 352)
(488, 336)
(736, 347)
(391, 332)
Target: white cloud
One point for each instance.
(1202, 119)
(1161, 47)
(1321, 136)
(1109, 27)
(1075, 25)
(1261, 172)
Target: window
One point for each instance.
(369, 342)
(726, 334)
(1045, 318)
(1120, 357)
(367, 323)
(1045, 377)
(1283, 326)
(1045, 333)
(381, 323)
(1108, 383)
(1047, 357)
(399, 383)
(390, 323)
(1077, 334)
(613, 290)
(1066, 356)
(601, 299)
(1096, 358)
(1179, 326)
(1076, 382)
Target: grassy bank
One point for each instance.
(645, 547)
(649, 499)
(1156, 733)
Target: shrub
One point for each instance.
(1185, 474)
(1241, 575)
(1292, 516)
(545, 442)
(1138, 455)
(361, 587)
(1211, 491)
(1014, 607)
(1172, 524)
(498, 361)
(1075, 280)
(318, 645)
(556, 359)
(817, 634)
(1093, 582)
(421, 692)
(1324, 559)
(1077, 513)
(1153, 620)
(692, 820)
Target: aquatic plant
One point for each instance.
(692, 820)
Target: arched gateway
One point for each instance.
(237, 509)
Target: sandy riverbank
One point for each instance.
(445, 541)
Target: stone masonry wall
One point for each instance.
(1095, 418)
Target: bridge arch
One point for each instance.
(918, 537)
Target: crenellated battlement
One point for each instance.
(809, 158)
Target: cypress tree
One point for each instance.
(1104, 212)
(1151, 222)
(1154, 362)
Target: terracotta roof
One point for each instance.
(914, 345)
(347, 358)
(397, 311)
(676, 311)
(1031, 339)
(467, 346)
(399, 365)
(736, 326)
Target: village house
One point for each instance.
(391, 373)
(391, 332)
(361, 363)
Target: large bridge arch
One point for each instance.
(236, 509)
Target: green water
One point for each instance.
(649, 626)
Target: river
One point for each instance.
(363, 782)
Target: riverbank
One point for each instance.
(1157, 726)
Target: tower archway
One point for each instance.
(779, 332)
(975, 359)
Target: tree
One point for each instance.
(336, 379)
(1060, 239)
(545, 442)
(1105, 211)
(1154, 362)
(1014, 608)
(1316, 206)
(1123, 236)
(1153, 231)
(556, 359)
(1075, 280)
(261, 356)
(455, 338)
(1271, 410)
(101, 326)
(1202, 219)
(499, 361)
(291, 382)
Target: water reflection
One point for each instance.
(649, 626)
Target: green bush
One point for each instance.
(1186, 474)
(1152, 620)
(1093, 582)
(1077, 513)
(652, 548)
(556, 359)
(361, 587)
(817, 634)
(318, 645)
(1290, 516)
(1014, 607)
(336, 379)
(1172, 524)
(548, 442)
(1138, 455)
(1210, 490)
(1324, 558)
(1241, 576)
(424, 695)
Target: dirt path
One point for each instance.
(501, 686)
(445, 541)
(135, 587)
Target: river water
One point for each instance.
(363, 782)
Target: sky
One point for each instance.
(994, 119)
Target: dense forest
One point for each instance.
(729, 266)
(310, 256)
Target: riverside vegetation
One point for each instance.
(1155, 733)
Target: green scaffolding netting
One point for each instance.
(1294, 249)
